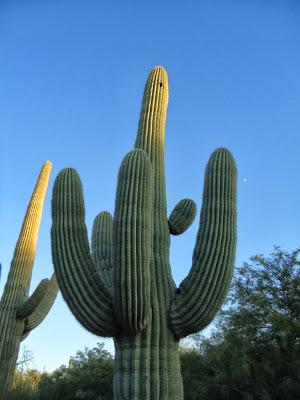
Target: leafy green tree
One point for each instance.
(256, 353)
(195, 374)
(89, 373)
(26, 379)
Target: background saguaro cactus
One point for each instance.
(124, 288)
(19, 313)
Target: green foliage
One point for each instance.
(88, 376)
(194, 374)
(256, 353)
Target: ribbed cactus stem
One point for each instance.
(15, 307)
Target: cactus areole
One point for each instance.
(124, 288)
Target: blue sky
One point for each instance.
(72, 75)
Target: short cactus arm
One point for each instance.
(133, 241)
(182, 216)
(34, 300)
(81, 286)
(42, 308)
(202, 292)
(102, 246)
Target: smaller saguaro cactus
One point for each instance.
(19, 313)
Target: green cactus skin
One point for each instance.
(125, 288)
(101, 246)
(19, 314)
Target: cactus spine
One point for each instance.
(19, 314)
(125, 288)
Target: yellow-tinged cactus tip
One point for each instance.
(48, 164)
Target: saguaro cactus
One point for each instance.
(19, 313)
(124, 288)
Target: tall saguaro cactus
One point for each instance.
(124, 288)
(19, 313)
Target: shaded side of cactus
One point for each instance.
(125, 288)
(19, 312)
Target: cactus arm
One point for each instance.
(81, 286)
(133, 241)
(202, 292)
(25, 334)
(34, 300)
(43, 307)
(182, 216)
(102, 246)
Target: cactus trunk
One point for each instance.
(125, 288)
(147, 364)
(144, 371)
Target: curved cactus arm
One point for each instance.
(102, 246)
(81, 286)
(182, 216)
(34, 300)
(132, 237)
(202, 292)
(24, 335)
(43, 307)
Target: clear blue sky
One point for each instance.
(71, 80)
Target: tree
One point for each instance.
(25, 380)
(89, 373)
(256, 353)
(24, 360)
